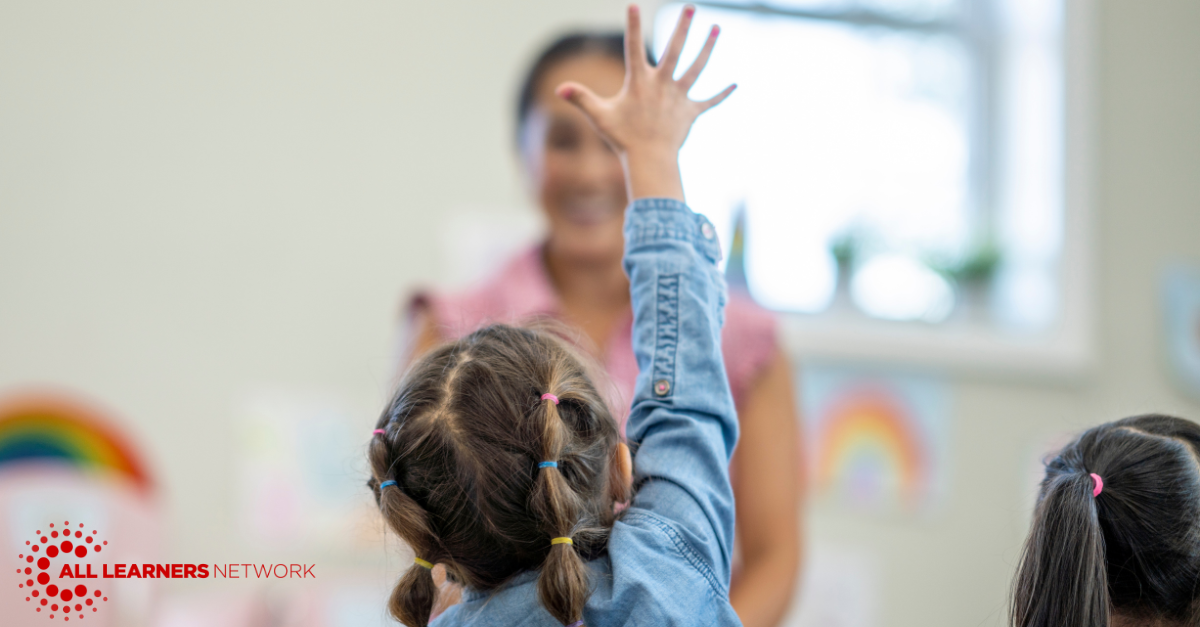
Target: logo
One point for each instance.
(56, 581)
(61, 575)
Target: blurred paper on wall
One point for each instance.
(301, 473)
(347, 601)
(877, 440)
(1181, 309)
(218, 609)
(840, 587)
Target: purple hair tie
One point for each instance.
(578, 623)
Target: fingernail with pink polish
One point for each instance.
(715, 31)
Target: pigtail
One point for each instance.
(414, 596)
(412, 600)
(563, 584)
(495, 478)
(1062, 580)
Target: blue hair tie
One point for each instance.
(548, 465)
(386, 484)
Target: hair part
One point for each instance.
(463, 437)
(1132, 551)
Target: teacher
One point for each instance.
(575, 276)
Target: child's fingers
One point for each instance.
(581, 97)
(689, 77)
(675, 45)
(717, 99)
(635, 51)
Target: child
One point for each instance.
(1116, 535)
(498, 459)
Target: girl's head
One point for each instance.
(577, 178)
(1123, 546)
(462, 440)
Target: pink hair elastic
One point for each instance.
(550, 397)
(1099, 485)
(378, 432)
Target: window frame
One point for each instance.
(1067, 348)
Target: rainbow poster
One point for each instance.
(58, 430)
(876, 440)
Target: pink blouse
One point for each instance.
(522, 291)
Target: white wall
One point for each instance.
(199, 200)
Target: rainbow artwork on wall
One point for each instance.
(876, 440)
(55, 430)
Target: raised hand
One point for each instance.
(648, 120)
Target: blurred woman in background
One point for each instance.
(575, 276)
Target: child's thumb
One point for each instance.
(581, 97)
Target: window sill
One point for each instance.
(976, 349)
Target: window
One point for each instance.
(888, 160)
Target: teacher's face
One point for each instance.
(576, 176)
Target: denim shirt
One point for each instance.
(670, 552)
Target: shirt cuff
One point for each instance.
(652, 220)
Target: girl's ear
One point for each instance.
(623, 473)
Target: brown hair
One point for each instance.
(1129, 547)
(462, 439)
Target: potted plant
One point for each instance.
(847, 248)
(972, 275)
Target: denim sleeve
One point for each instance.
(683, 425)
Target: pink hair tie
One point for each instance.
(1099, 485)
(378, 431)
(550, 397)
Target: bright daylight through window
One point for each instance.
(886, 159)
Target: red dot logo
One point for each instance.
(62, 562)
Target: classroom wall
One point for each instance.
(200, 201)
(1146, 215)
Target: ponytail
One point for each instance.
(1062, 580)
(414, 596)
(495, 477)
(563, 584)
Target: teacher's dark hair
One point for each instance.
(569, 46)
(1133, 550)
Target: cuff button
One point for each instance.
(707, 230)
(662, 387)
